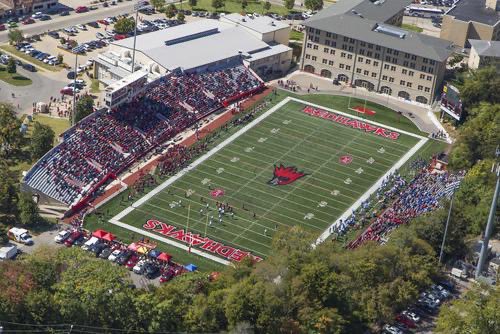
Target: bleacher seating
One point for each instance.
(107, 142)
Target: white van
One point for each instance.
(89, 243)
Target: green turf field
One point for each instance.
(244, 167)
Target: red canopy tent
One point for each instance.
(99, 234)
(164, 257)
(108, 237)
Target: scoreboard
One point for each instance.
(451, 102)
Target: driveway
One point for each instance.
(41, 89)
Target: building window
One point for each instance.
(395, 60)
(374, 75)
(308, 56)
(327, 42)
(425, 60)
(424, 68)
(422, 76)
(413, 57)
(347, 67)
(404, 71)
(389, 51)
(314, 58)
(351, 49)
(330, 62)
(377, 55)
(429, 78)
(318, 31)
(408, 84)
(384, 77)
(358, 70)
(334, 44)
(362, 52)
(315, 47)
(368, 61)
(365, 72)
(391, 79)
(309, 45)
(351, 40)
(349, 56)
(346, 39)
(363, 44)
(326, 50)
(432, 62)
(341, 65)
(342, 54)
(386, 66)
(370, 46)
(369, 53)
(396, 53)
(377, 47)
(344, 47)
(407, 55)
(427, 89)
(430, 70)
(393, 68)
(412, 65)
(360, 59)
(402, 82)
(328, 34)
(375, 63)
(325, 61)
(316, 39)
(387, 58)
(420, 87)
(332, 51)
(405, 63)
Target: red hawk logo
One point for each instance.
(285, 175)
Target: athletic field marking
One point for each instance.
(116, 219)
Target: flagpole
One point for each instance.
(206, 226)
(187, 229)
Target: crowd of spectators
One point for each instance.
(106, 143)
(403, 201)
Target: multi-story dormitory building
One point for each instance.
(359, 42)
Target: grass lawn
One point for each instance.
(14, 79)
(59, 125)
(13, 51)
(94, 86)
(296, 35)
(411, 27)
(235, 7)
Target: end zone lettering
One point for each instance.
(349, 122)
(195, 240)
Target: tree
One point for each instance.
(313, 4)
(181, 17)
(478, 311)
(289, 4)
(15, 36)
(193, 3)
(479, 86)
(8, 190)
(60, 58)
(158, 4)
(42, 140)
(170, 11)
(10, 136)
(27, 209)
(244, 4)
(84, 107)
(11, 66)
(217, 4)
(267, 6)
(125, 25)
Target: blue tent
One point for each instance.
(191, 267)
(154, 253)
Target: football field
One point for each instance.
(296, 164)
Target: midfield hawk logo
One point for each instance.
(285, 175)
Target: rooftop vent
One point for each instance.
(389, 30)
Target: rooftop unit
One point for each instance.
(390, 30)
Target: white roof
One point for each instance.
(261, 24)
(195, 44)
(271, 51)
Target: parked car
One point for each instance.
(62, 236)
(45, 18)
(53, 34)
(81, 27)
(115, 255)
(132, 261)
(81, 9)
(166, 276)
(139, 267)
(80, 241)
(99, 35)
(3, 27)
(98, 248)
(151, 270)
(123, 258)
(28, 21)
(105, 253)
(64, 13)
(406, 321)
(29, 67)
(93, 24)
(72, 238)
(37, 15)
(392, 329)
(411, 315)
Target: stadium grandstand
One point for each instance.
(109, 141)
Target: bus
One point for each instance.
(424, 10)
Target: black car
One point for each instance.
(105, 253)
(151, 270)
(98, 248)
(71, 75)
(123, 258)
(93, 24)
(45, 18)
(18, 62)
(29, 67)
(53, 34)
(64, 13)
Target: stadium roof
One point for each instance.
(369, 31)
(260, 24)
(474, 10)
(381, 10)
(195, 44)
(486, 48)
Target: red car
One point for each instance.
(405, 320)
(118, 37)
(72, 238)
(2, 27)
(68, 91)
(81, 9)
(132, 261)
(167, 276)
(29, 21)
(103, 22)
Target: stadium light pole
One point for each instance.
(491, 218)
(137, 6)
(73, 118)
(445, 231)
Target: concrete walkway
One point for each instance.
(419, 114)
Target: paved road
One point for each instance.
(42, 88)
